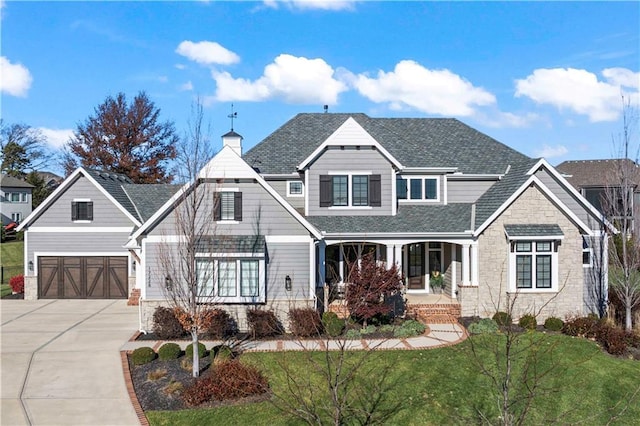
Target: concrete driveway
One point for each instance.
(60, 362)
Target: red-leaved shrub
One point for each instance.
(17, 284)
(613, 339)
(305, 322)
(263, 323)
(221, 325)
(227, 380)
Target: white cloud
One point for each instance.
(180, 66)
(186, 87)
(312, 4)
(499, 119)
(56, 138)
(580, 91)
(431, 91)
(295, 80)
(207, 53)
(15, 79)
(551, 151)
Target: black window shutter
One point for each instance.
(217, 206)
(74, 210)
(375, 191)
(90, 210)
(325, 191)
(237, 206)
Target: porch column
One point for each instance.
(474, 265)
(390, 253)
(465, 264)
(454, 271)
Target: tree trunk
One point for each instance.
(196, 355)
(627, 322)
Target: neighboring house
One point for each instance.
(599, 181)
(51, 180)
(15, 199)
(321, 191)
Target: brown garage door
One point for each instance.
(87, 277)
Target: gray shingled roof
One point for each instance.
(415, 142)
(585, 173)
(11, 182)
(148, 198)
(533, 230)
(254, 244)
(112, 183)
(500, 191)
(451, 218)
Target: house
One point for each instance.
(15, 199)
(599, 180)
(318, 193)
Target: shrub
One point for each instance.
(332, 324)
(221, 324)
(156, 374)
(387, 328)
(353, 334)
(305, 322)
(503, 319)
(553, 324)
(370, 329)
(221, 353)
(227, 381)
(528, 322)
(166, 324)
(484, 326)
(143, 355)
(613, 339)
(188, 352)
(409, 328)
(169, 351)
(582, 326)
(263, 323)
(17, 284)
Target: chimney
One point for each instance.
(233, 140)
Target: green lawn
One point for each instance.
(442, 386)
(11, 259)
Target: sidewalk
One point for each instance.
(437, 335)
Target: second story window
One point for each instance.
(16, 197)
(295, 188)
(82, 210)
(350, 190)
(418, 188)
(228, 206)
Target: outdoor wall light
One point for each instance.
(168, 283)
(287, 283)
(31, 265)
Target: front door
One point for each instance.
(416, 267)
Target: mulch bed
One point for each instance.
(14, 296)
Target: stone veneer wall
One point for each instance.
(238, 312)
(532, 207)
(30, 287)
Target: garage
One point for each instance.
(82, 277)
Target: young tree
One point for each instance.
(23, 149)
(125, 138)
(193, 225)
(618, 204)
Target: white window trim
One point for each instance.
(289, 194)
(589, 250)
(554, 266)
(82, 200)
(408, 178)
(261, 298)
(227, 221)
(350, 176)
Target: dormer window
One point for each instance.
(350, 190)
(418, 188)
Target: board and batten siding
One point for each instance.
(466, 191)
(261, 214)
(77, 243)
(281, 259)
(351, 160)
(105, 213)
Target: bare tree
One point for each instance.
(597, 296)
(188, 277)
(618, 203)
(22, 149)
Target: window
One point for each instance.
(232, 280)
(228, 206)
(17, 197)
(16, 217)
(204, 272)
(340, 190)
(350, 190)
(226, 278)
(534, 264)
(586, 253)
(249, 278)
(360, 185)
(417, 188)
(295, 188)
(82, 210)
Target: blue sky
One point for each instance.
(543, 78)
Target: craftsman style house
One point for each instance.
(318, 193)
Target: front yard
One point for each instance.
(444, 386)
(11, 261)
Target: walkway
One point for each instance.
(437, 335)
(61, 362)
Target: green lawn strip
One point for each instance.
(12, 259)
(5, 290)
(444, 386)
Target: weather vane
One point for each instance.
(232, 116)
